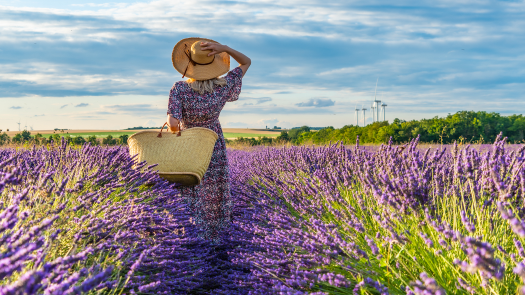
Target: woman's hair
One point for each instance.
(202, 86)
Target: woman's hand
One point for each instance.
(214, 47)
(173, 124)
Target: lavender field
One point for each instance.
(323, 220)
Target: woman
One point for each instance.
(197, 102)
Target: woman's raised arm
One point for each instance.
(243, 60)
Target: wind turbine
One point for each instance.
(18, 125)
(376, 104)
(383, 106)
(364, 116)
(356, 115)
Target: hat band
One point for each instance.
(194, 63)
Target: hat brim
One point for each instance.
(219, 66)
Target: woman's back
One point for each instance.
(194, 109)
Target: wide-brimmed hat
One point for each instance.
(191, 61)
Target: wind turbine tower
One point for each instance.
(364, 116)
(372, 107)
(376, 105)
(383, 107)
(357, 116)
(18, 125)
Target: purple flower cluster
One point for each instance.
(427, 286)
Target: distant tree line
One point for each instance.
(26, 137)
(464, 126)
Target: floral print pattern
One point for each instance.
(209, 202)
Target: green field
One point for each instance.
(97, 134)
(235, 135)
(117, 134)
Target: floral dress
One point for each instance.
(210, 202)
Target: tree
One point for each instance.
(283, 137)
(39, 138)
(4, 139)
(123, 139)
(26, 135)
(17, 138)
(55, 138)
(92, 140)
(79, 140)
(109, 140)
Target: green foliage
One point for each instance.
(25, 137)
(464, 126)
(123, 139)
(79, 140)
(56, 138)
(109, 140)
(284, 136)
(4, 139)
(92, 140)
(252, 141)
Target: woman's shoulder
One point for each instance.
(235, 73)
(180, 86)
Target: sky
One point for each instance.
(107, 64)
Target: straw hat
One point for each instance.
(191, 61)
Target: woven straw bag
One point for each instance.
(182, 158)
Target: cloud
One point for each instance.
(316, 102)
(151, 123)
(64, 106)
(270, 122)
(257, 100)
(236, 125)
(263, 99)
(15, 107)
(136, 109)
(82, 105)
(296, 47)
(39, 115)
(268, 110)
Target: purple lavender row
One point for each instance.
(336, 220)
(74, 220)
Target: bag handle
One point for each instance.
(162, 128)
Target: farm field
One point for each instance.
(230, 133)
(306, 220)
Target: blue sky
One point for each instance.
(106, 64)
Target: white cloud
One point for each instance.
(151, 123)
(317, 102)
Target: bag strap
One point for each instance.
(162, 128)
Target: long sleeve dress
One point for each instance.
(210, 202)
